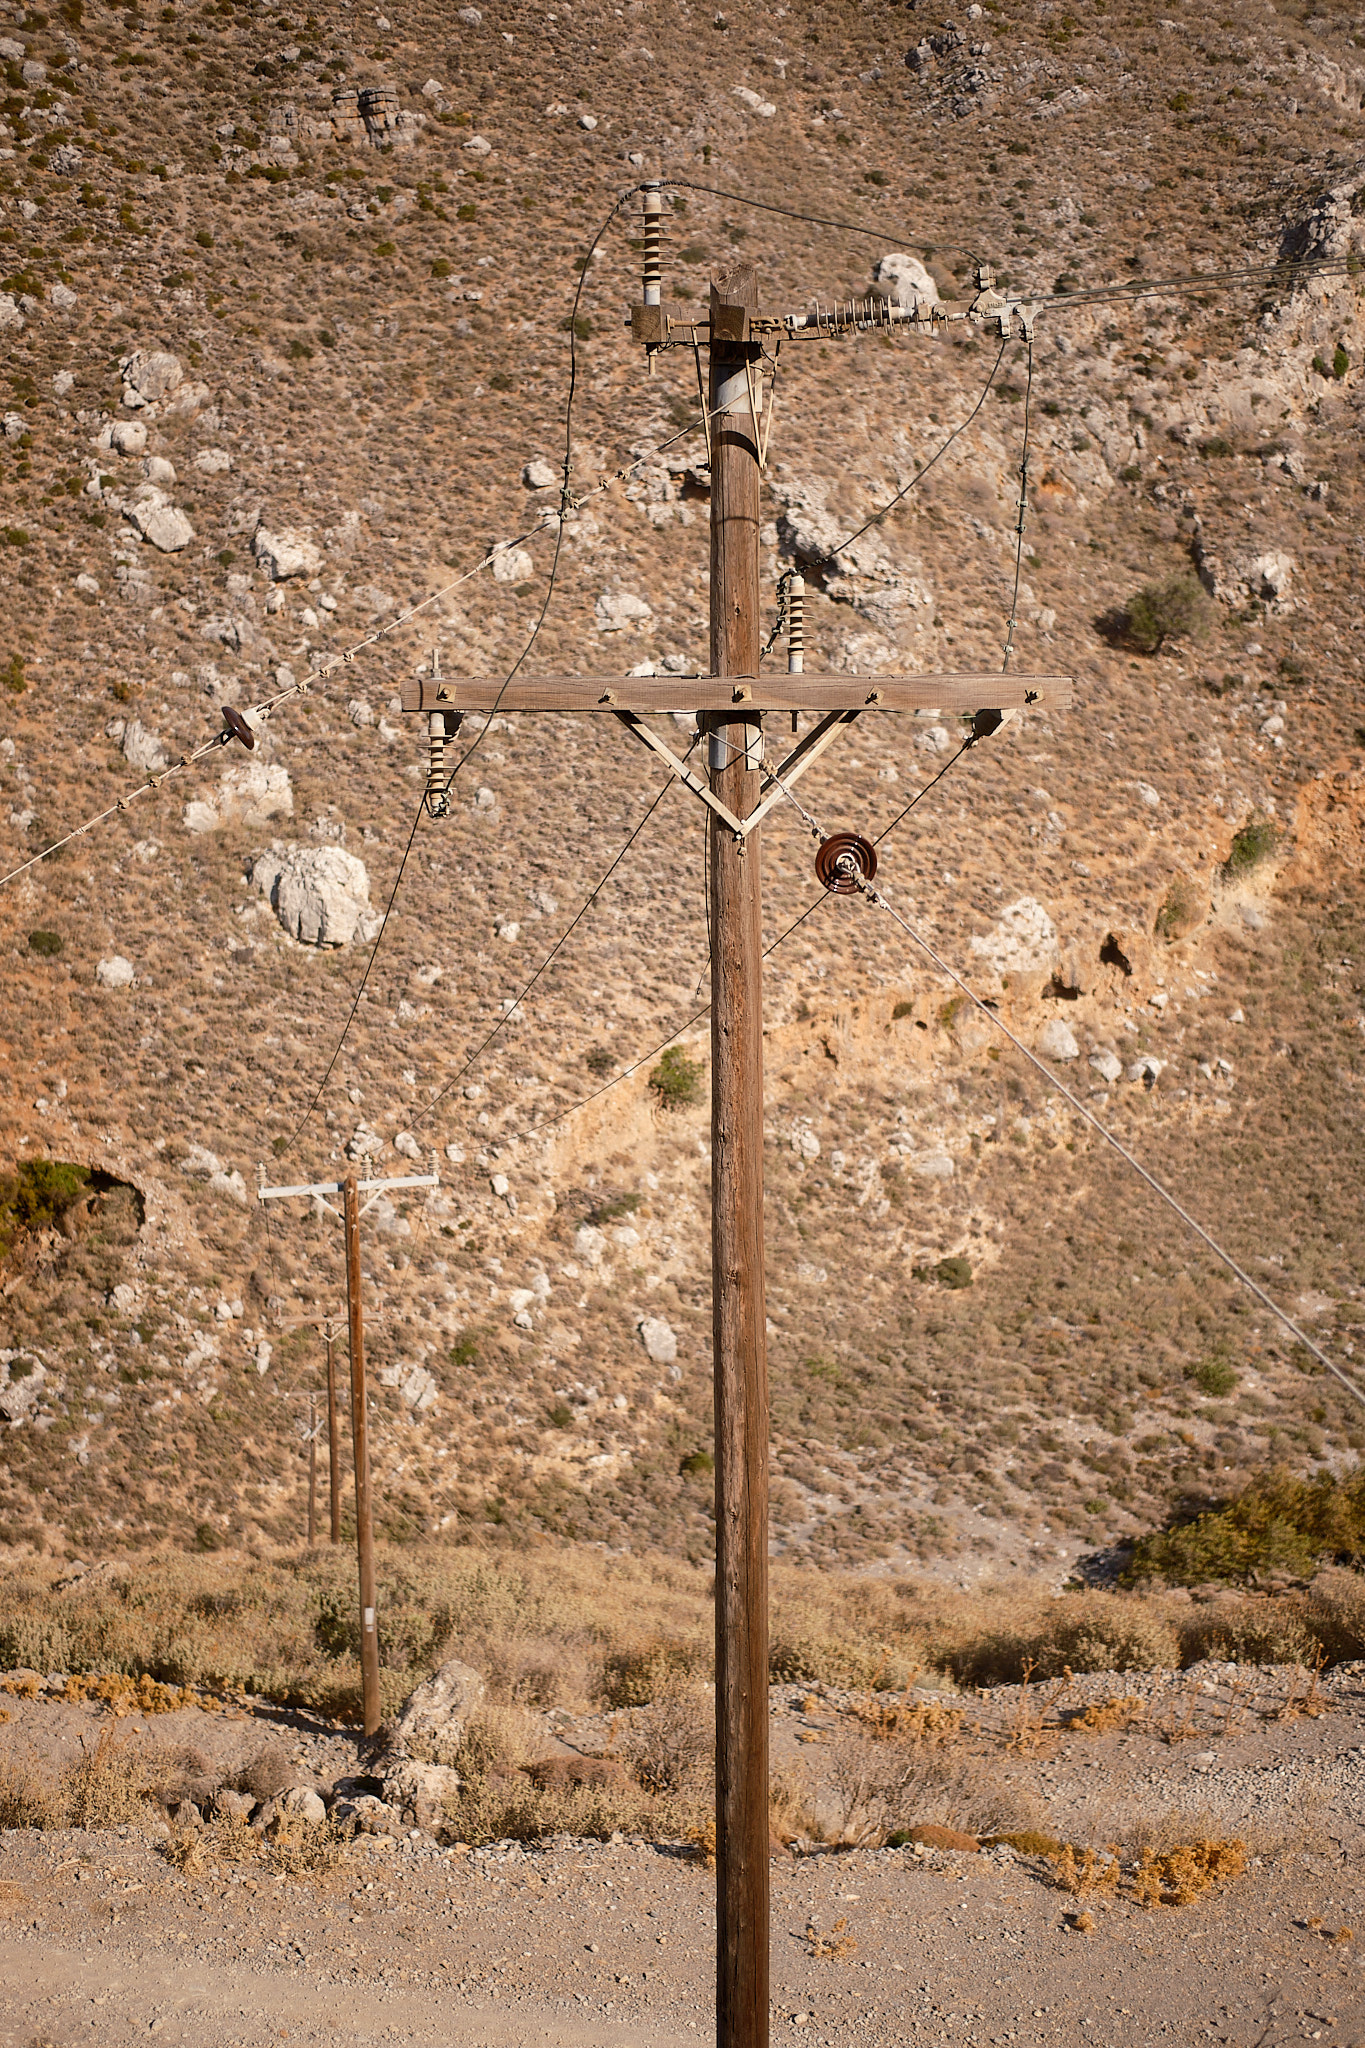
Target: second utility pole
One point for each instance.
(738, 1310)
(360, 1443)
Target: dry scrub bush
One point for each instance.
(1248, 1631)
(1081, 1632)
(670, 1746)
(1084, 1875)
(1185, 1873)
(108, 1785)
(1334, 1611)
(28, 1799)
(498, 1801)
(641, 1672)
(882, 1788)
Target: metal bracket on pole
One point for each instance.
(333, 1187)
(798, 761)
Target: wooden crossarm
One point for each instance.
(970, 691)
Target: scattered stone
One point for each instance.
(1024, 940)
(906, 279)
(470, 16)
(511, 565)
(304, 1801)
(142, 749)
(229, 1805)
(286, 553)
(619, 611)
(1147, 1069)
(158, 470)
(419, 1791)
(1057, 1041)
(63, 383)
(479, 145)
(157, 520)
(249, 793)
(433, 1719)
(933, 1166)
(365, 1144)
(407, 1145)
(21, 1382)
(539, 476)
(588, 121)
(201, 1163)
(755, 102)
(659, 1339)
(213, 461)
(87, 585)
(321, 894)
(60, 296)
(116, 972)
(1106, 1065)
(149, 375)
(368, 1815)
(125, 437)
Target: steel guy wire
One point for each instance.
(875, 896)
(817, 220)
(937, 456)
(1023, 514)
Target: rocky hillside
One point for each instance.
(286, 349)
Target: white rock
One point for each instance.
(479, 145)
(116, 972)
(60, 296)
(63, 382)
(249, 793)
(511, 565)
(163, 524)
(321, 894)
(213, 461)
(618, 611)
(433, 89)
(432, 1722)
(1057, 1041)
(1267, 576)
(1106, 1066)
(933, 1166)
(470, 16)
(263, 1357)
(15, 425)
(158, 470)
(1146, 1069)
(588, 121)
(365, 1144)
(303, 1801)
(200, 1163)
(87, 585)
(143, 749)
(359, 712)
(935, 739)
(755, 102)
(1158, 999)
(407, 1145)
(589, 1244)
(659, 1339)
(230, 1184)
(12, 52)
(539, 476)
(420, 1792)
(19, 1390)
(485, 800)
(1149, 795)
(286, 553)
(10, 316)
(128, 437)
(33, 72)
(806, 1143)
(905, 278)
(150, 375)
(455, 1154)
(500, 1184)
(1024, 940)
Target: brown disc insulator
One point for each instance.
(844, 861)
(238, 728)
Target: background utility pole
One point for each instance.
(312, 1470)
(329, 1336)
(351, 1212)
(738, 1304)
(360, 1444)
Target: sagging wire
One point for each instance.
(584, 907)
(1023, 514)
(874, 895)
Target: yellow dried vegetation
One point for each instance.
(1104, 1717)
(834, 1947)
(1186, 1872)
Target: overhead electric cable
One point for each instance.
(867, 888)
(1023, 514)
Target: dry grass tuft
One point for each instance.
(1104, 1717)
(1185, 1873)
(1086, 1874)
(835, 1947)
(108, 1786)
(28, 1799)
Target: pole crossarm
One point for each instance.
(969, 690)
(335, 1187)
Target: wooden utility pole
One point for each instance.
(333, 1437)
(730, 703)
(360, 1445)
(738, 1304)
(351, 1212)
(312, 1470)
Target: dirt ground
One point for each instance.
(407, 1939)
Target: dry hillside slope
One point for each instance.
(284, 336)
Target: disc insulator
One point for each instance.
(844, 861)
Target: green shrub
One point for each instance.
(1279, 1524)
(13, 677)
(1213, 1376)
(677, 1079)
(695, 1464)
(902, 1009)
(1217, 445)
(440, 268)
(466, 212)
(1251, 844)
(1341, 361)
(46, 944)
(1161, 612)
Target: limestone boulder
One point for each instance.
(286, 553)
(433, 1720)
(420, 1791)
(321, 894)
(249, 793)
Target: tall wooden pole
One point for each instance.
(739, 1315)
(333, 1438)
(360, 1441)
(312, 1470)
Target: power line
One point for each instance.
(1023, 514)
(584, 907)
(817, 220)
(874, 895)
